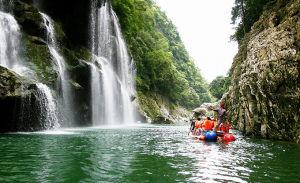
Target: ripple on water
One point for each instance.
(145, 153)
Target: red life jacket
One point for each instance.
(214, 122)
(222, 127)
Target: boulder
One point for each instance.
(19, 109)
(204, 110)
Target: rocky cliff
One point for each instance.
(21, 109)
(264, 98)
(20, 103)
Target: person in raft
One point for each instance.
(198, 126)
(193, 124)
(207, 125)
(221, 117)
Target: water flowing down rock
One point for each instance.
(10, 42)
(112, 74)
(46, 102)
(25, 105)
(66, 106)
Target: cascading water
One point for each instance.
(112, 74)
(48, 106)
(9, 39)
(10, 58)
(64, 85)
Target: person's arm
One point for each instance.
(216, 110)
(211, 108)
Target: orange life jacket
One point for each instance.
(207, 125)
(198, 124)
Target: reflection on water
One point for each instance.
(144, 153)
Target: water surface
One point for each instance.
(144, 153)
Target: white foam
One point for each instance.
(48, 132)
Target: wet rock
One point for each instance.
(29, 18)
(19, 110)
(162, 120)
(264, 98)
(161, 110)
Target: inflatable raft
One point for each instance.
(212, 136)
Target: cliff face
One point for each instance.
(19, 109)
(21, 101)
(264, 98)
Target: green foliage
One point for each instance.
(219, 86)
(252, 11)
(162, 62)
(149, 105)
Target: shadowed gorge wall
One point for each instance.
(73, 16)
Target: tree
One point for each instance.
(219, 86)
(244, 14)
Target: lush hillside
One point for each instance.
(219, 86)
(163, 64)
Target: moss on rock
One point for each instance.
(37, 53)
(29, 18)
(148, 105)
(19, 110)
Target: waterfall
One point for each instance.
(48, 106)
(10, 58)
(112, 76)
(64, 85)
(10, 46)
(9, 39)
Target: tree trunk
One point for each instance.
(243, 16)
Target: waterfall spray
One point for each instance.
(63, 83)
(110, 101)
(10, 58)
(48, 106)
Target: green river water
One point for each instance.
(142, 153)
